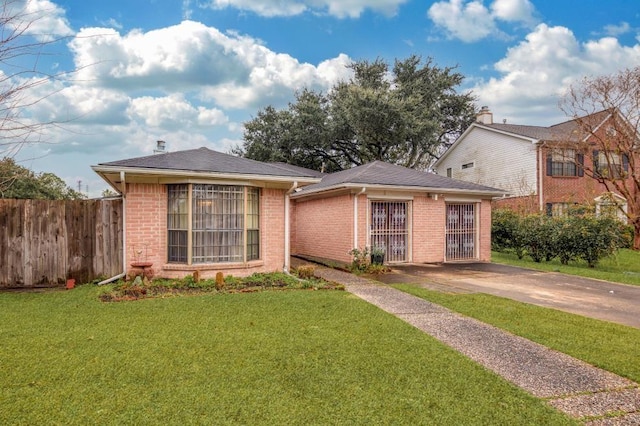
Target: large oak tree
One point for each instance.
(407, 116)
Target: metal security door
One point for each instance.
(389, 229)
(461, 232)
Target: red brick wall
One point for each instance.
(428, 229)
(146, 231)
(146, 227)
(570, 189)
(485, 230)
(556, 189)
(363, 232)
(272, 229)
(522, 205)
(324, 227)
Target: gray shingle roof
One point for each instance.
(380, 173)
(299, 169)
(562, 132)
(209, 161)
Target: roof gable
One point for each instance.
(561, 132)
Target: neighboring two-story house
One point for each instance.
(543, 168)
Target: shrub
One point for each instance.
(537, 237)
(306, 272)
(504, 226)
(599, 237)
(580, 235)
(567, 239)
(360, 259)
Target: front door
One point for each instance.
(461, 232)
(389, 229)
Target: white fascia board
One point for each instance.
(586, 138)
(514, 135)
(343, 186)
(194, 174)
(454, 144)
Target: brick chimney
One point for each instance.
(484, 116)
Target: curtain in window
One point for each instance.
(218, 223)
(177, 222)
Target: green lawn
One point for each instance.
(279, 357)
(610, 346)
(624, 267)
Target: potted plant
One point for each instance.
(377, 255)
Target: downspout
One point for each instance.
(287, 228)
(124, 233)
(540, 177)
(355, 217)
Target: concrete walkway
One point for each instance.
(584, 392)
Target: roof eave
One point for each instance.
(455, 143)
(513, 134)
(102, 169)
(342, 186)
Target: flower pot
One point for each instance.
(377, 259)
(71, 283)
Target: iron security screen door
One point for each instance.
(461, 232)
(389, 229)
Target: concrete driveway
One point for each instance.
(603, 300)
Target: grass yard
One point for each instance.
(624, 267)
(286, 357)
(610, 346)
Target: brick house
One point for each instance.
(413, 216)
(201, 210)
(542, 168)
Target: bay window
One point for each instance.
(213, 223)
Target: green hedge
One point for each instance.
(580, 235)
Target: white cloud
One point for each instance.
(466, 21)
(616, 30)
(40, 18)
(186, 9)
(78, 105)
(233, 70)
(337, 8)
(535, 73)
(514, 11)
(471, 21)
(174, 112)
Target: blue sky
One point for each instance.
(190, 72)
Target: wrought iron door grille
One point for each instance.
(389, 229)
(461, 232)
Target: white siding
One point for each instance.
(499, 160)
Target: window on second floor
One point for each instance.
(564, 162)
(608, 164)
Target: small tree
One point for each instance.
(612, 140)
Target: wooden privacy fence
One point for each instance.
(43, 243)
